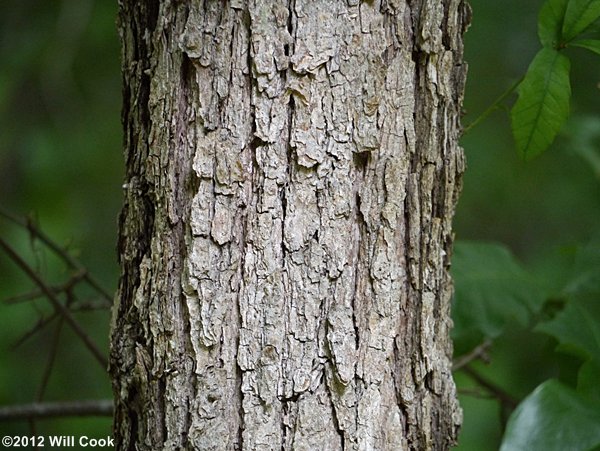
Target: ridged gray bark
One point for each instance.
(292, 173)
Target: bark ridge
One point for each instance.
(292, 173)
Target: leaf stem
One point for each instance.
(494, 106)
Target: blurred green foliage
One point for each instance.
(60, 164)
(60, 161)
(545, 211)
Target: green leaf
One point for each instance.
(577, 329)
(491, 290)
(590, 44)
(579, 15)
(583, 134)
(550, 22)
(584, 285)
(553, 418)
(543, 103)
(577, 326)
(587, 381)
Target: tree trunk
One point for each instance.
(292, 172)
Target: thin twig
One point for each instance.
(86, 306)
(480, 352)
(42, 322)
(493, 107)
(475, 393)
(36, 294)
(101, 407)
(50, 363)
(68, 258)
(25, 297)
(505, 398)
(56, 303)
(89, 305)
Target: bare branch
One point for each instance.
(88, 305)
(84, 306)
(71, 261)
(58, 306)
(480, 352)
(102, 407)
(497, 392)
(475, 393)
(35, 294)
(25, 297)
(42, 322)
(51, 359)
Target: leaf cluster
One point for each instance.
(494, 291)
(545, 92)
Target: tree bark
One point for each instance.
(292, 173)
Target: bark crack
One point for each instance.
(291, 170)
